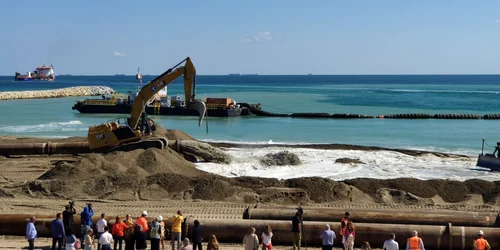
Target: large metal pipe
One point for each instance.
(473, 219)
(233, 231)
(44, 148)
(50, 148)
(362, 209)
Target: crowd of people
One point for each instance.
(135, 235)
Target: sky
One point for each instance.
(252, 37)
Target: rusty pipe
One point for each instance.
(381, 216)
(50, 148)
(15, 224)
(44, 148)
(233, 231)
(355, 209)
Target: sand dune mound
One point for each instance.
(106, 176)
(450, 191)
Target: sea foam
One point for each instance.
(46, 127)
(377, 164)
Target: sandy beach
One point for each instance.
(16, 242)
(163, 181)
(145, 175)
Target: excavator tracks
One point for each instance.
(157, 142)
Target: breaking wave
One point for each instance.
(45, 127)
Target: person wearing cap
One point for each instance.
(68, 220)
(86, 221)
(481, 243)
(143, 222)
(415, 242)
(155, 233)
(176, 232)
(296, 230)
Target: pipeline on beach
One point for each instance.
(440, 236)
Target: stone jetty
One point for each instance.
(55, 93)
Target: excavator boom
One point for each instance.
(111, 134)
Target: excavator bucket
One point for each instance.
(201, 108)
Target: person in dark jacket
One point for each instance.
(68, 220)
(140, 238)
(57, 230)
(196, 236)
(86, 221)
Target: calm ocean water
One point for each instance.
(371, 95)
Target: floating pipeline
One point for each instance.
(310, 115)
(351, 116)
(407, 116)
(232, 231)
(491, 116)
(474, 219)
(256, 110)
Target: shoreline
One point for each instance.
(323, 146)
(71, 176)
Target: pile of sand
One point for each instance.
(118, 174)
(165, 174)
(450, 191)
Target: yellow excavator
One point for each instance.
(134, 133)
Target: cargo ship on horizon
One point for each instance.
(42, 73)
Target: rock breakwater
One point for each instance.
(56, 93)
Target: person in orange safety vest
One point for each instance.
(415, 242)
(481, 243)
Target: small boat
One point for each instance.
(490, 161)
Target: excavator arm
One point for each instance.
(130, 136)
(151, 89)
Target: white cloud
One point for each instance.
(497, 21)
(259, 37)
(265, 35)
(116, 53)
(244, 38)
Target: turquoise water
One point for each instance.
(371, 95)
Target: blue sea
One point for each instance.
(370, 95)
